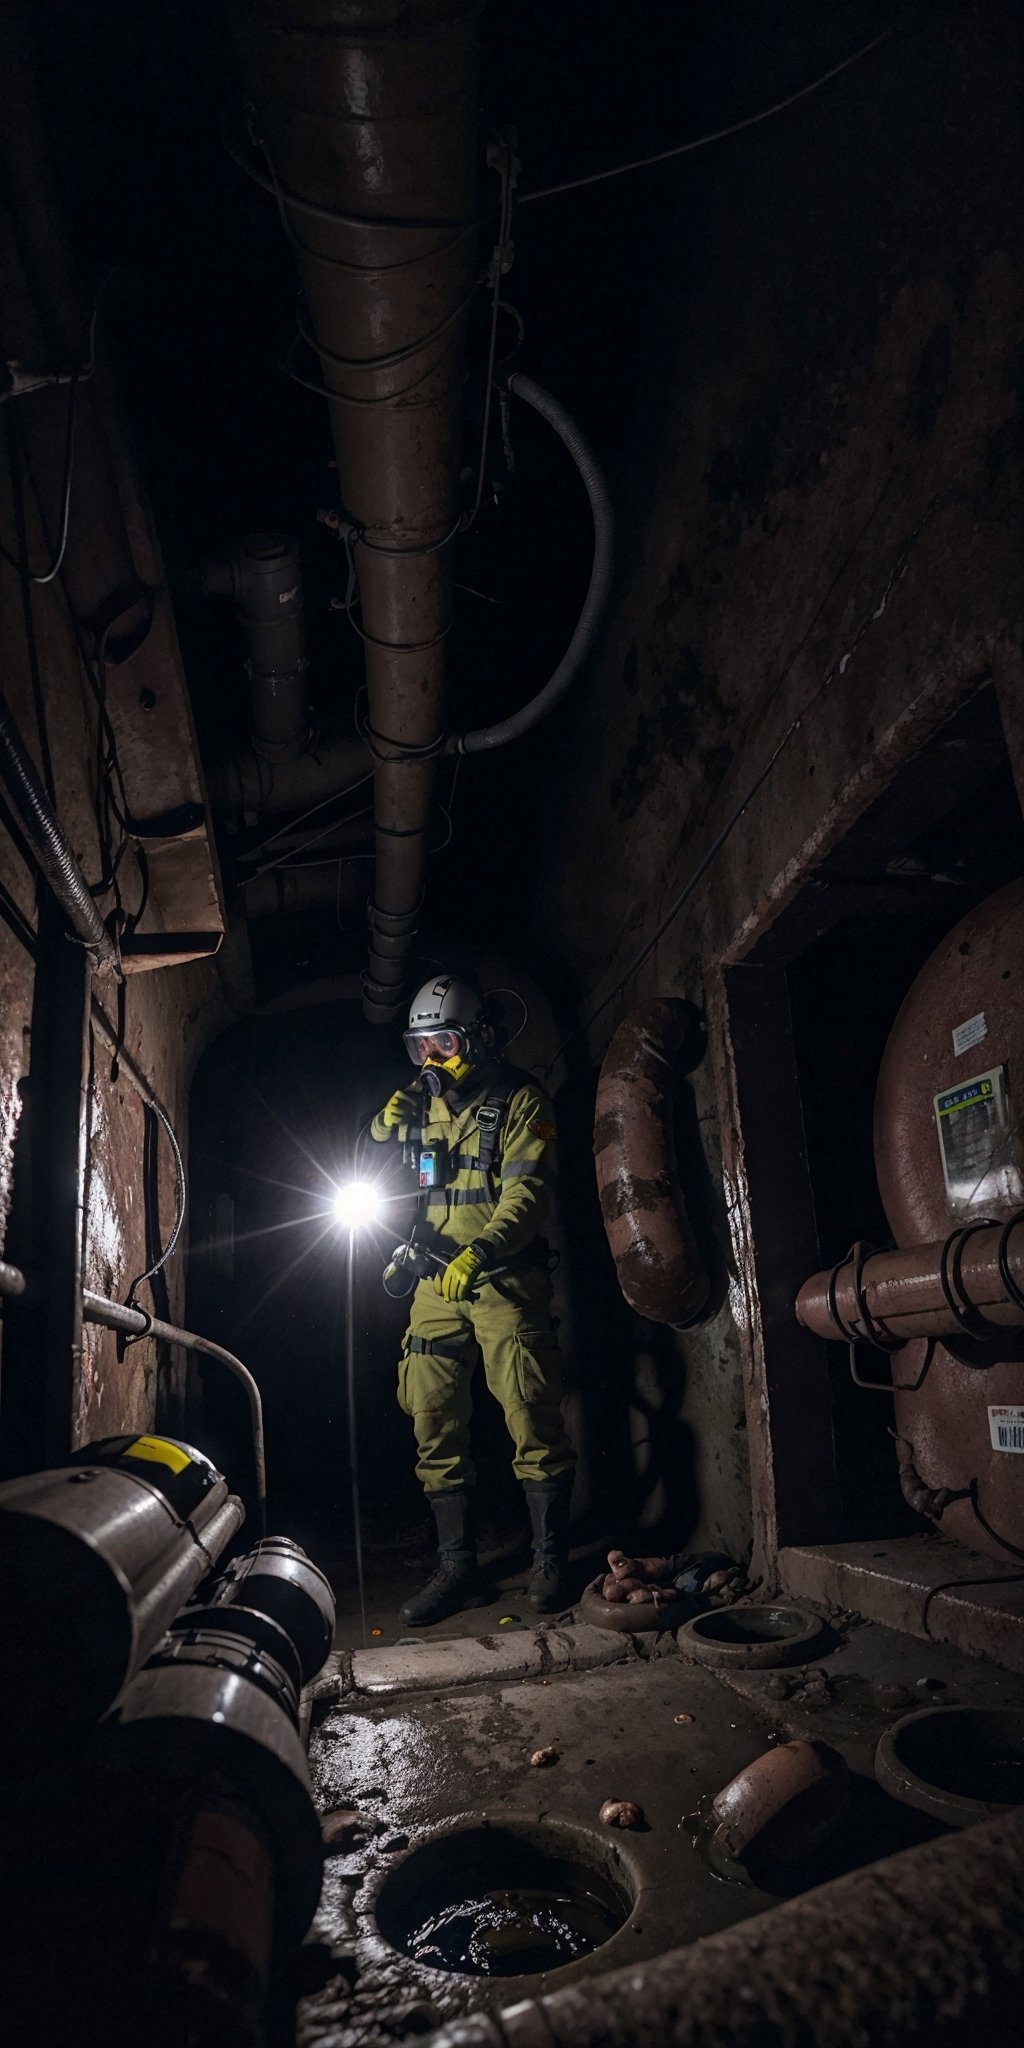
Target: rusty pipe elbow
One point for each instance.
(660, 1269)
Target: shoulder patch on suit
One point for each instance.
(545, 1132)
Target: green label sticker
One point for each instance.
(976, 1140)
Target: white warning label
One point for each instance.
(1006, 1428)
(971, 1032)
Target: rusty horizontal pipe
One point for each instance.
(897, 1295)
(366, 111)
(922, 1950)
(660, 1269)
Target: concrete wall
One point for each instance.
(824, 557)
(47, 692)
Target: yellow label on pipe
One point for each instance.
(158, 1451)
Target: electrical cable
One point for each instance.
(447, 809)
(320, 390)
(357, 538)
(953, 1585)
(21, 568)
(392, 223)
(390, 358)
(1003, 1541)
(521, 1027)
(180, 1192)
(500, 248)
(334, 798)
(287, 857)
(641, 163)
(370, 736)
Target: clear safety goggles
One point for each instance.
(435, 1045)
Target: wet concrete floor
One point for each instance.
(431, 1761)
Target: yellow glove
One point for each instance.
(460, 1277)
(403, 1110)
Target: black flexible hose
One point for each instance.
(51, 849)
(488, 736)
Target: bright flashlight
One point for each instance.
(357, 1205)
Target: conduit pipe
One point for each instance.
(46, 838)
(924, 1948)
(968, 1284)
(264, 577)
(366, 111)
(585, 633)
(134, 1322)
(661, 1272)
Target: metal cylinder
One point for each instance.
(950, 1159)
(217, 1705)
(278, 1579)
(95, 1560)
(660, 1269)
(367, 112)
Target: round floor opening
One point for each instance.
(507, 1901)
(960, 1763)
(751, 1625)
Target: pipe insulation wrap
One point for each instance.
(661, 1272)
(581, 645)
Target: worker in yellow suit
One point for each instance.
(484, 1133)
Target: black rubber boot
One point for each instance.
(548, 1502)
(453, 1583)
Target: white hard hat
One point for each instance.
(445, 1004)
(446, 1019)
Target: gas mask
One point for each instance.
(445, 1057)
(440, 1075)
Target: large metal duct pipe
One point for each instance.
(660, 1269)
(366, 111)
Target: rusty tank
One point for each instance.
(949, 1153)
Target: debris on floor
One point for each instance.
(620, 1813)
(784, 1804)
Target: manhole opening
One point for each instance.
(751, 1625)
(974, 1753)
(505, 1901)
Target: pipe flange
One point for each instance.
(748, 1638)
(392, 924)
